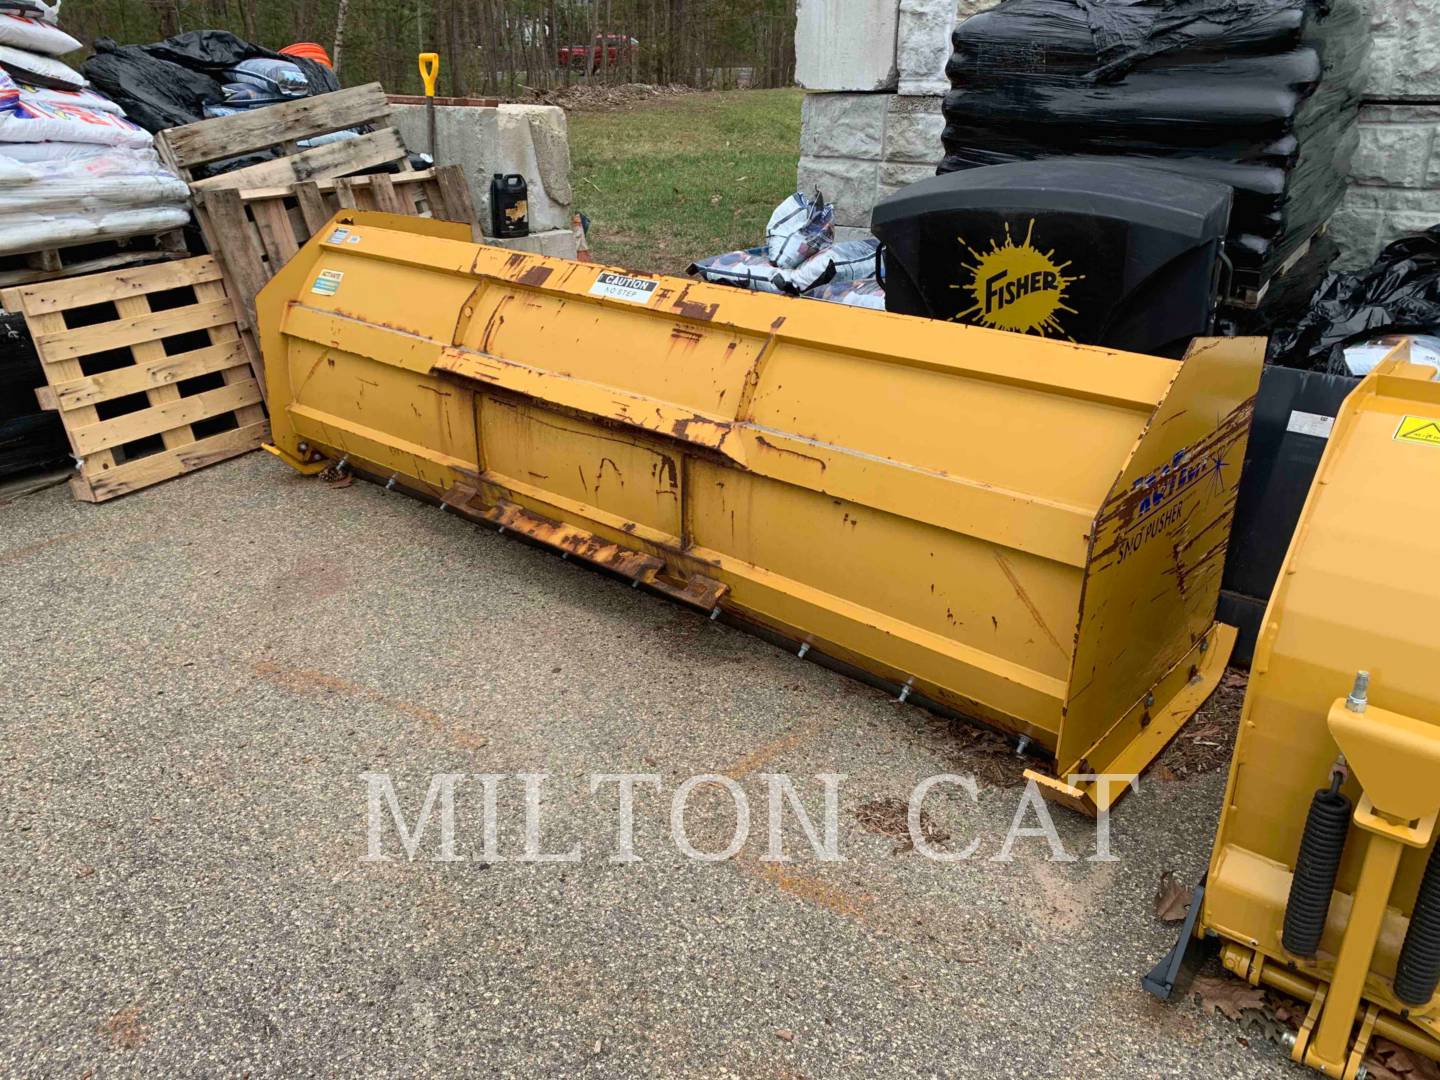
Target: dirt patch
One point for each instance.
(1207, 742)
(596, 98)
(889, 817)
(124, 1029)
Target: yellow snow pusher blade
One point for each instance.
(1021, 530)
(1324, 882)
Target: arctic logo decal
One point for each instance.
(1017, 287)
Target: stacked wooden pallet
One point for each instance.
(256, 217)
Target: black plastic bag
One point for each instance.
(1398, 294)
(169, 83)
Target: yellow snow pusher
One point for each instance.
(1323, 883)
(1020, 530)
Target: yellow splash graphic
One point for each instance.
(1017, 287)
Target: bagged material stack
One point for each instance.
(1258, 94)
(72, 167)
(801, 258)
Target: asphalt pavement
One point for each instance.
(195, 679)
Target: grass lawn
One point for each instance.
(676, 178)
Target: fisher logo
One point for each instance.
(1017, 287)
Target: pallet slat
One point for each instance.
(145, 471)
(205, 141)
(121, 333)
(82, 292)
(109, 385)
(319, 162)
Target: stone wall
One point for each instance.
(1395, 177)
(875, 70)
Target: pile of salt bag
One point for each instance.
(800, 258)
(72, 167)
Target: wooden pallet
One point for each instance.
(91, 255)
(147, 370)
(255, 218)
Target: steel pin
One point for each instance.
(804, 648)
(905, 690)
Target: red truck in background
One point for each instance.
(606, 50)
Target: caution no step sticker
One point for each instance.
(1419, 429)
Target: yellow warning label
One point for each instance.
(1419, 429)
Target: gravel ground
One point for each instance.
(193, 679)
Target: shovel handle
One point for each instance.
(430, 71)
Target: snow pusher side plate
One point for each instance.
(1023, 530)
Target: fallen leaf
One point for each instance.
(1228, 996)
(1164, 774)
(1172, 899)
(1234, 680)
(1388, 1060)
(785, 1035)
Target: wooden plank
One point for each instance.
(160, 418)
(231, 136)
(230, 237)
(145, 352)
(46, 259)
(312, 206)
(221, 335)
(345, 195)
(276, 233)
(326, 186)
(386, 198)
(168, 464)
(160, 371)
(82, 292)
(121, 333)
(330, 159)
(88, 266)
(458, 205)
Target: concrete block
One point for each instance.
(895, 175)
(913, 126)
(530, 140)
(1405, 56)
(534, 142)
(1393, 155)
(557, 243)
(843, 125)
(1371, 217)
(846, 233)
(974, 7)
(922, 45)
(850, 184)
(846, 44)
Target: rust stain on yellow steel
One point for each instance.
(1357, 591)
(978, 511)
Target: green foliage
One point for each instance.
(678, 178)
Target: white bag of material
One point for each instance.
(35, 121)
(750, 269)
(45, 10)
(850, 261)
(28, 232)
(867, 293)
(81, 99)
(41, 70)
(35, 36)
(14, 173)
(799, 228)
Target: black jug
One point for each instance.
(509, 206)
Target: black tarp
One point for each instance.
(1397, 294)
(169, 83)
(1260, 94)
